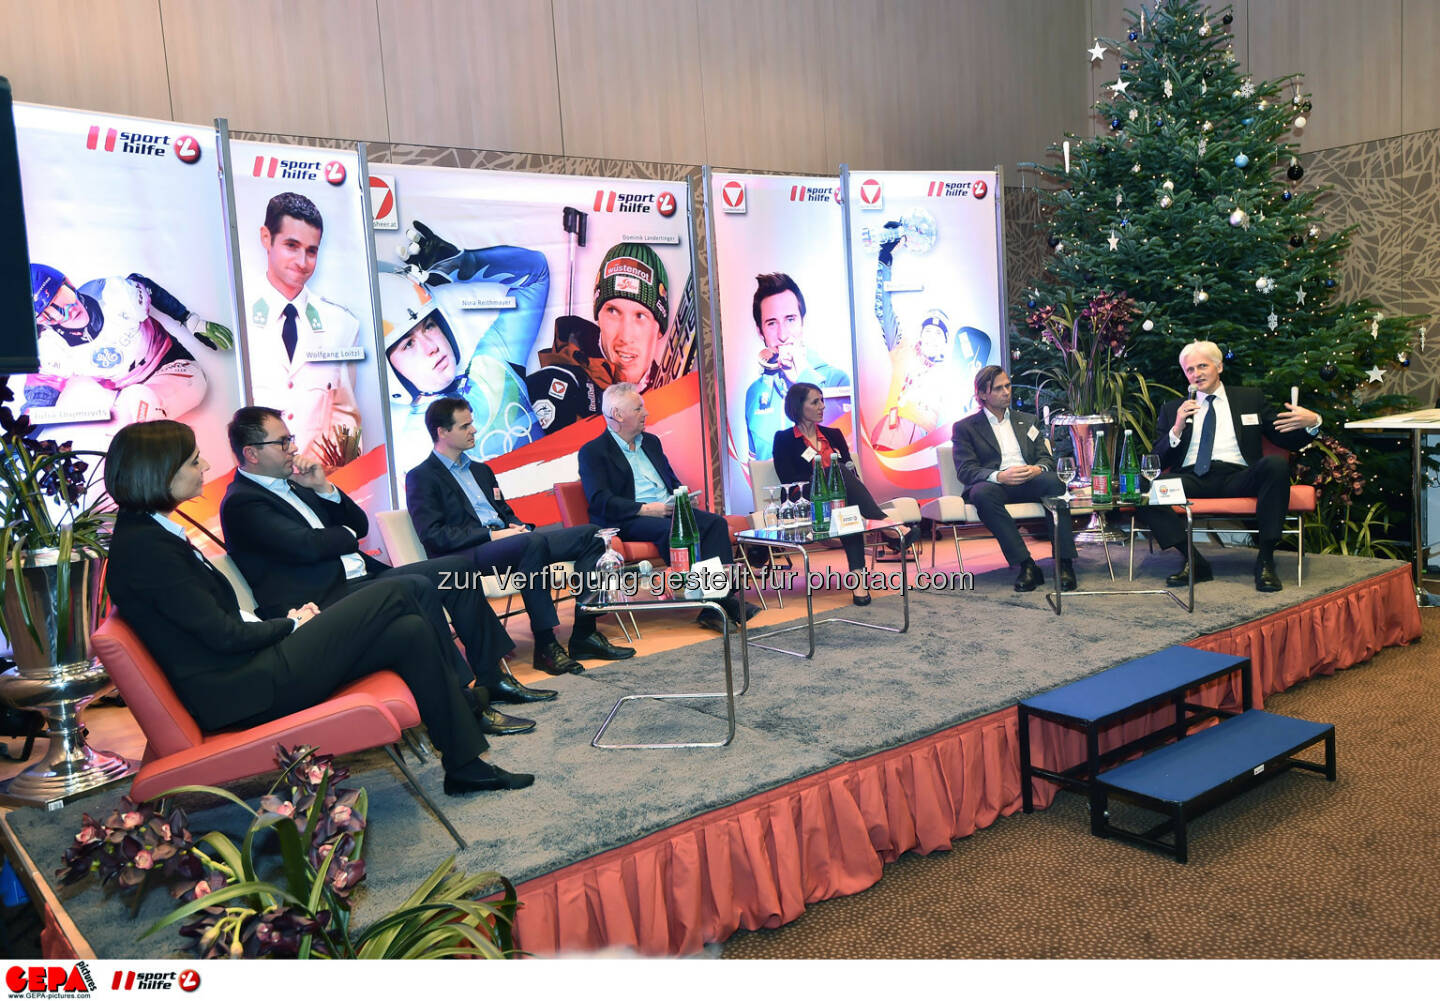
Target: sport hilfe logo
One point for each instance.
(956, 189)
(665, 204)
(283, 169)
(134, 143)
(811, 193)
(615, 201)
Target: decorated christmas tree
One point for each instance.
(1192, 203)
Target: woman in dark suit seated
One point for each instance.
(231, 669)
(805, 406)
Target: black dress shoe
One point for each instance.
(466, 780)
(860, 599)
(1266, 579)
(710, 619)
(597, 647)
(1030, 577)
(509, 690)
(1181, 577)
(735, 608)
(497, 724)
(1067, 575)
(552, 659)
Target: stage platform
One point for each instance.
(882, 744)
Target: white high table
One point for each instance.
(1416, 423)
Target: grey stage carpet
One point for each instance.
(966, 654)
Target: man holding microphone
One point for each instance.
(1212, 441)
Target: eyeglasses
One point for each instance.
(284, 442)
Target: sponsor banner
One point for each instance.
(384, 206)
(925, 257)
(787, 242)
(309, 327)
(527, 295)
(130, 279)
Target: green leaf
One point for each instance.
(233, 891)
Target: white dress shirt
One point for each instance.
(1009, 445)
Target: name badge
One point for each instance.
(809, 455)
(1033, 433)
(713, 579)
(846, 520)
(1170, 490)
(1250, 420)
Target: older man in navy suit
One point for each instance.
(629, 485)
(1003, 457)
(457, 508)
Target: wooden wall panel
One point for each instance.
(937, 84)
(104, 55)
(765, 91)
(307, 69)
(1420, 109)
(630, 79)
(1350, 55)
(478, 74)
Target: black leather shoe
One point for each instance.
(860, 599)
(735, 608)
(461, 783)
(1067, 575)
(597, 647)
(497, 724)
(1181, 577)
(552, 659)
(1266, 579)
(1030, 577)
(710, 619)
(509, 690)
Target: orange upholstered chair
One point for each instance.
(1208, 509)
(368, 713)
(575, 510)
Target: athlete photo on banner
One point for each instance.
(309, 327)
(129, 279)
(925, 260)
(779, 264)
(527, 295)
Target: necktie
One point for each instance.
(1207, 437)
(288, 336)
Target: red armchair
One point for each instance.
(368, 713)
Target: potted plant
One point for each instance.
(242, 901)
(52, 552)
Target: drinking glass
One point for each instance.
(772, 509)
(1065, 470)
(787, 508)
(608, 567)
(802, 507)
(1150, 467)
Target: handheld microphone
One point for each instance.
(1294, 396)
(1191, 390)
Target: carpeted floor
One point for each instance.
(967, 654)
(1299, 868)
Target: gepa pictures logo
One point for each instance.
(50, 981)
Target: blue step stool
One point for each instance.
(1190, 776)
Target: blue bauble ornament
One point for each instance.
(1115, 123)
(1329, 282)
(1159, 122)
(1133, 35)
(1124, 66)
(1124, 223)
(1246, 121)
(1229, 355)
(1031, 304)
(1242, 161)
(1286, 195)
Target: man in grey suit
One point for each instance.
(1002, 457)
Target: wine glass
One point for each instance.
(786, 513)
(608, 568)
(1065, 469)
(1150, 467)
(802, 507)
(772, 509)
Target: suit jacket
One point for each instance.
(285, 561)
(791, 466)
(609, 484)
(444, 518)
(1244, 401)
(977, 450)
(185, 613)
